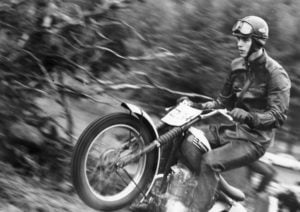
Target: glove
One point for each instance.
(240, 115)
(185, 100)
(208, 105)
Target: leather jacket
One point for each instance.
(266, 99)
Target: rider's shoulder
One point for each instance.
(273, 66)
(238, 64)
(275, 69)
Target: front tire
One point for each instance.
(99, 182)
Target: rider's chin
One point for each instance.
(242, 53)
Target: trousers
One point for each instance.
(228, 152)
(267, 171)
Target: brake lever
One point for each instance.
(225, 113)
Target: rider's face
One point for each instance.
(244, 45)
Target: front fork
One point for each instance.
(164, 139)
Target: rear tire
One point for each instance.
(119, 135)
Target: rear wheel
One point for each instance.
(97, 178)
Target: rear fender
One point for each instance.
(141, 114)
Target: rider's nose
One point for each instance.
(239, 43)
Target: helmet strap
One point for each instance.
(255, 46)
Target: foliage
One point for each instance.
(202, 31)
(46, 48)
(65, 50)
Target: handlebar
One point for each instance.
(185, 115)
(224, 112)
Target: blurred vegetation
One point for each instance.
(48, 50)
(202, 31)
(75, 49)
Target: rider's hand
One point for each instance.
(240, 115)
(185, 100)
(207, 105)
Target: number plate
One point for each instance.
(181, 115)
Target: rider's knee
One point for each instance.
(208, 163)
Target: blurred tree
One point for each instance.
(44, 43)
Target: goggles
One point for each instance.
(243, 28)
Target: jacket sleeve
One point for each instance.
(278, 102)
(227, 96)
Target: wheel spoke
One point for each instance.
(97, 175)
(105, 151)
(122, 178)
(128, 175)
(126, 144)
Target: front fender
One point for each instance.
(141, 114)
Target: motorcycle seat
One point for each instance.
(233, 192)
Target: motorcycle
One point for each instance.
(120, 161)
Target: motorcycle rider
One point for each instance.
(257, 94)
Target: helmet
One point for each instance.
(254, 27)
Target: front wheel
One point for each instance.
(97, 178)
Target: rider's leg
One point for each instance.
(229, 155)
(266, 170)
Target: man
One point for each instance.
(256, 93)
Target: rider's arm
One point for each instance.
(278, 102)
(225, 98)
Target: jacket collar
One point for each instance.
(258, 60)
